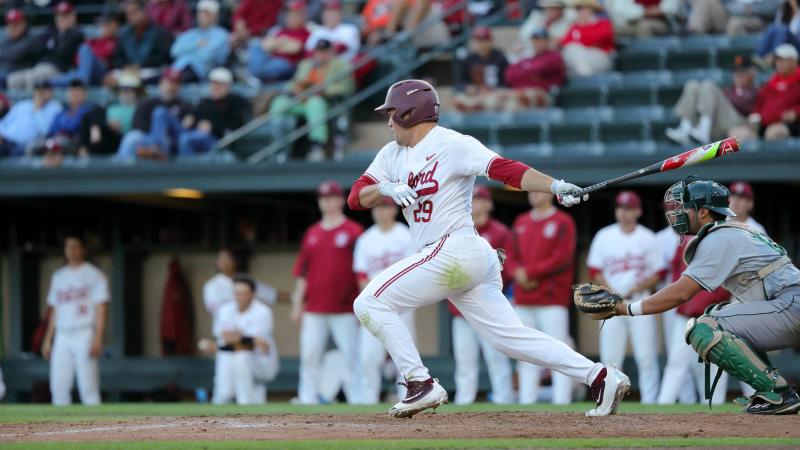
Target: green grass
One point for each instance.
(123, 411)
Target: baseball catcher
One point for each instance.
(763, 315)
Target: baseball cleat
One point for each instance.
(608, 389)
(789, 404)
(420, 395)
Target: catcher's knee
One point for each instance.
(702, 334)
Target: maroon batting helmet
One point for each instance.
(414, 101)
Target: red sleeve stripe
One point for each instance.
(491, 161)
(507, 171)
(371, 178)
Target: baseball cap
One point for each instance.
(128, 81)
(64, 8)
(221, 75)
(77, 82)
(550, 4)
(541, 33)
(42, 84)
(333, 4)
(208, 5)
(482, 33)
(329, 188)
(481, 192)
(742, 188)
(742, 62)
(628, 199)
(323, 44)
(786, 51)
(296, 5)
(15, 16)
(171, 75)
(109, 17)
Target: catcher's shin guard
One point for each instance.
(734, 356)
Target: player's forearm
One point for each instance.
(666, 299)
(369, 196)
(100, 321)
(299, 293)
(51, 327)
(535, 181)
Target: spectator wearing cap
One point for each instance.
(742, 203)
(320, 69)
(119, 115)
(28, 120)
(253, 18)
(198, 50)
(775, 115)
(708, 112)
(60, 43)
(173, 15)
(322, 299)
(65, 133)
(19, 48)
(589, 42)
(479, 74)
(143, 45)
(783, 30)
(215, 116)
(94, 55)
(276, 56)
(642, 18)
(344, 36)
(532, 78)
(552, 16)
(156, 122)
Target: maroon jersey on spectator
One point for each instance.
(103, 48)
(545, 70)
(170, 14)
(258, 15)
(780, 94)
(326, 262)
(299, 34)
(701, 300)
(598, 34)
(545, 248)
(743, 99)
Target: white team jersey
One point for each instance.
(667, 241)
(625, 259)
(255, 321)
(376, 250)
(755, 225)
(442, 169)
(218, 291)
(74, 294)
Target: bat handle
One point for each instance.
(592, 188)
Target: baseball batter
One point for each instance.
(624, 257)
(383, 244)
(74, 339)
(764, 313)
(430, 172)
(467, 345)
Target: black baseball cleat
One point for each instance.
(420, 395)
(789, 403)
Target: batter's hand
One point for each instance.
(46, 348)
(401, 193)
(297, 314)
(96, 349)
(566, 193)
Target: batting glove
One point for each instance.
(401, 193)
(566, 193)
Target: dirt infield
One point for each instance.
(426, 426)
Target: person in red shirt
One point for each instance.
(253, 18)
(326, 286)
(275, 57)
(173, 15)
(544, 253)
(467, 345)
(588, 44)
(775, 115)
(532, 78)
(94, 55)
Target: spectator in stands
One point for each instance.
(215, 116)
(783, 30)
(707, 16)
(344, 36)
(641, 18)
(320, 69)
(747, 16)
(199, 49)
(253, 18)
(28, 120)
(60, 43)
(384, 18)
(143, 45)
(588, 44)
(775, 115)
(707, 112)
(742, 203)
(19, 49)
(532, 78)
(173, 15)
(552, 16)
(155, 133)
(64, 136)
(275, 57)
(479, 75)
(94, 55)
(119, 115)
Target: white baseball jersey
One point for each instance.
(625, 259)
(667, 241)
(218, 291)
(442, 169)
(74, 294)
(376, 249)
(255, 321)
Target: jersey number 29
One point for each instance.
(423, 211)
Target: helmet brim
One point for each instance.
(383, 108)
(724, 211)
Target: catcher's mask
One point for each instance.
(694, 193)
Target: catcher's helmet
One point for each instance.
(694, 193)
(414, 101)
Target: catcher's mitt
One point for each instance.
(599, 302)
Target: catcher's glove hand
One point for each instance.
(599, 302)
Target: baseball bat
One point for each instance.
(688, 158)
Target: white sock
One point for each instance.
(685, 126)
(704, 126)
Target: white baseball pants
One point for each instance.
(553, 320)
(614, 336)
(371, 357)
(70, 357)
(243, 376)
(464, 268)
(687, 394)
(314, 333)
(467, 348)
